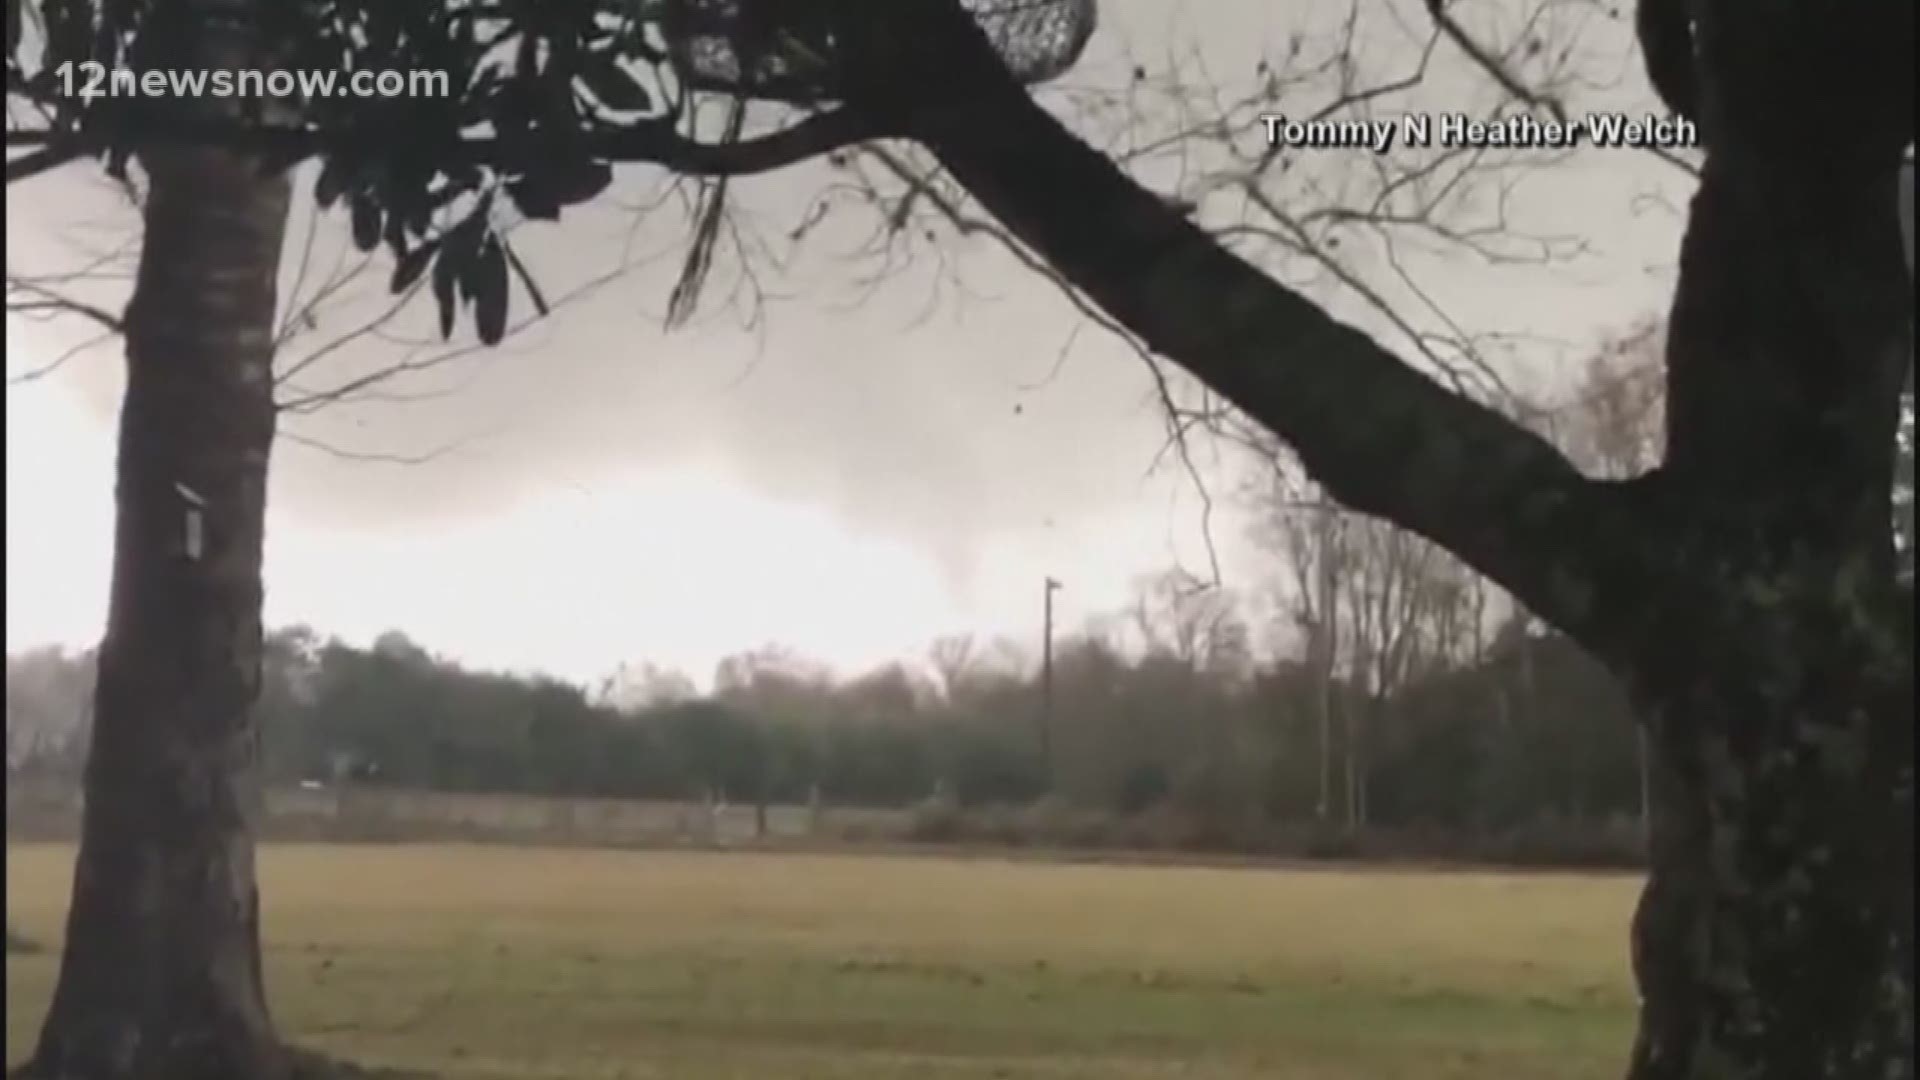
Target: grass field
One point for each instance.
(497, 962)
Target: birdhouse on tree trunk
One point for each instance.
(193, 522)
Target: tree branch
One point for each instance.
(38, 298)
(1665, 30)
(1380, 436)
(50, 155)
(654, 141)
(1484, 59)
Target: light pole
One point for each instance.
(1046, 679)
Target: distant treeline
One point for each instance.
(1531, 736)
(1371, 690)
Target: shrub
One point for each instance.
(936, 820)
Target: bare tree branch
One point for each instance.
(371, 457)
(39, 300)
(1382, 438)
(58, 362)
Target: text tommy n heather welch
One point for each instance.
(1458, 131)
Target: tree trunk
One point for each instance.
(1326, 642)
(160, 978)
(1643, 759)
(1775, 935)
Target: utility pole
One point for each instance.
(1046, 680)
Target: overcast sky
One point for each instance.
(858, 472)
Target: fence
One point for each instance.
(359, 813)
(41, 810)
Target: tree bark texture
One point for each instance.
(160, 978)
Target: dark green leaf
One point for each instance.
(445, 270)
(395, 233)
(275, 162)
(412, 265)
(334, 174)
(534, 196)
(419, 214)
(614, 85)
(464, 239)
(442, 195)
(580, 179)
(527, 60)
(488, 274)
(466, 174)
(366, 223)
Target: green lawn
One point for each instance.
(503, 962)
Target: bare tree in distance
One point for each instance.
(646, 685)
(1313, 540)
(49, 707)
(953, 662)
(1617, 414)
(1374, 608)
(1404, 601)
(1179, 616)
(770, 668)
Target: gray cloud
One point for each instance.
(941, 429)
